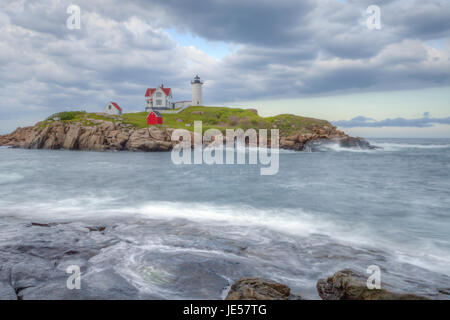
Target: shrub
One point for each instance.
(245, 123)
(67, 115)
(233, 120)
(212, 121)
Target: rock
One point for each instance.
(71, 140)
(25, 275)
(96, 228)
(91, 140)
(258, 289)
(107, 126)
(51, 143)
(350, 142)
(287, 144)
(350, 285)
(157, 134)
(7, 292)
(37, 139)
(290, 145)
(107, 284)
(294, 137)
(164, 145)
(197, 112)
(46, 225)
(141, 141)
(253, 110)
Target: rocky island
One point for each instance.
(80, 130)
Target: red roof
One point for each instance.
(151, 90)
(116, 105)
(154, 113)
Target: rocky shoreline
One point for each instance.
(36, 254)
(104, 135)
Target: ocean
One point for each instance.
(188, 231)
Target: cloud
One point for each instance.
(423, 122)
(283, 49)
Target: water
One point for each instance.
(188, 231)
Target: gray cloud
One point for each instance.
(425, 121)
(260, 22)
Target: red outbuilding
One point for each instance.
(154, 117)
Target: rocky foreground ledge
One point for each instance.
(102, 135)
(343, 285)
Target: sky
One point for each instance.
(316, 58)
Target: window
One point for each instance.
(159, 102)
(109, 107)
(158, 94)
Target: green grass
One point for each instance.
(81, 117)
(212, 117)
(68, 115)
(227, 118)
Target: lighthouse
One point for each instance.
(197, 99)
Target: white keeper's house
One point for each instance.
(113, 108)
(160, 98)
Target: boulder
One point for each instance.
(107, 126)
(351, 142)
(141, 141)
(157, 134)
(351, 285)
(287, 144)
(71, 140)
(118, 140)
(163, 146)
(38, 138)
(51, 143)
(294, 137)
(58, 132)
(258, 289)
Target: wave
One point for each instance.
(388, 146)
(256, 149)
(337, 148)
(383, 146)
(91, 208)
(6, 178)
(292, 222)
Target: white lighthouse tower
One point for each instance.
(197, 99)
